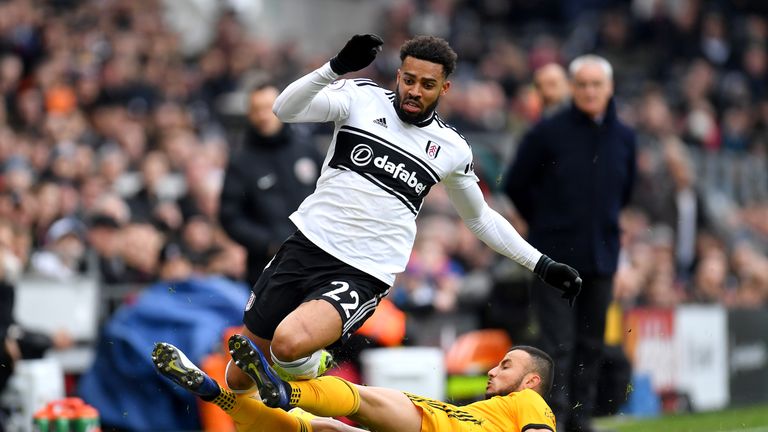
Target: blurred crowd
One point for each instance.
(113, 145)
(691, 77)
(109, 145)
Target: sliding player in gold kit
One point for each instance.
(513, 397)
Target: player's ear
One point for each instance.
(446, 86)
(532, 380)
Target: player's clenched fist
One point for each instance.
(559, 275)
(358, 53)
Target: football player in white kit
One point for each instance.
(356, 231)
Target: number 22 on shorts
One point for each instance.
(343, 287)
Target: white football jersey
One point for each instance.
(375, 177)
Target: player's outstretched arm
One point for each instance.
(331, 425)
(495, 231)
(359, 52)
(305, 101)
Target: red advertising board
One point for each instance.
(649, 344)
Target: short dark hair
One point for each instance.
(432, 49)
(542, 364)
(261, 85)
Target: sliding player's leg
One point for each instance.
(387, 410)
(378, 408)
(238, 381)
(249, 414)
(174, 365)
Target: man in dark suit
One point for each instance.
(266, 180)
(572, 174)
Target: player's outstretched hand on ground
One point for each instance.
(359, 52)
(561, 276)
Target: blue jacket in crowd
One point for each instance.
(122, 382)
(569, 180)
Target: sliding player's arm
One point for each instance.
(332, 425)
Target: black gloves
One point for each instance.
(358, 53)
(560, 276)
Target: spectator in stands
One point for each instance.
(431, 280)
(16, 342)
(710, 281)
(154, 167)
(198, 241)
(266, 180)
(750, 267)
(62, 257)
(48, 200)
(228, 260)
(167, 217)
(736, 130)
(634, 258)
(18, 174)
(660, 288)
(112, 205)
(551, 83)
(180, 145)
(174, 263)
(481, 107)
(130, 135)
(549, 182)
(752, 291)
(655, 123)
(685, 208)
(103, 238)
(111, 165)
(140, 245)
(199, 172)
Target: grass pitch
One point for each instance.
(746, 419)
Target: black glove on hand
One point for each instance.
(560, 276)
(358, 53)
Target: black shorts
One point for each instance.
(300, 272)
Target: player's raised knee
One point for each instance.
(290, 346)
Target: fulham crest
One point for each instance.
(432, 149)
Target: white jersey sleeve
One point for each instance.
(463, 174)
(311, 99)
(490, 227)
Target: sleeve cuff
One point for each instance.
(327, 72)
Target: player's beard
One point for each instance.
(514, 387)
(411, 118)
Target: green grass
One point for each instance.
(748, 419)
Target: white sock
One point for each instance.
(302, 369)
(251, 389)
